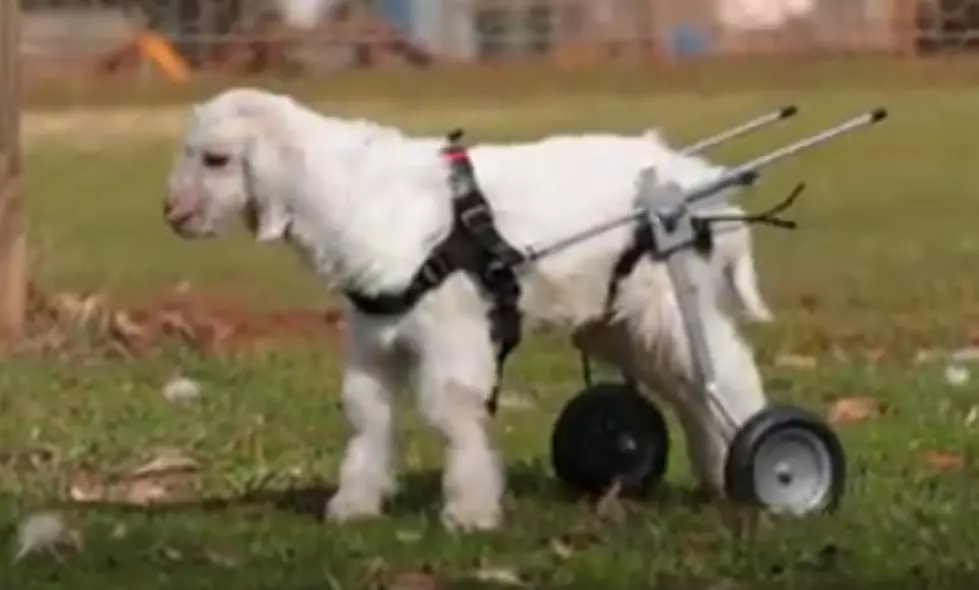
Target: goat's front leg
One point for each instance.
(366, 472)
(457, 373)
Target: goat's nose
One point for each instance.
(178, 206)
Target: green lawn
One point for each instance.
(883, 266)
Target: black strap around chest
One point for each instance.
(473, 246)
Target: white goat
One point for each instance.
(365, 204)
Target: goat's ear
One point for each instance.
(267, 212)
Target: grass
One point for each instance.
(881, 268)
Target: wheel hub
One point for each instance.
(614, 444)
(786, 459)
(628, 445)
(793, 471)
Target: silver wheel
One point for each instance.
(793, 471)
(787, 460)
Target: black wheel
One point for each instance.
(786, 459)
(610, 432)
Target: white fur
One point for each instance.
(364, 205)
(732, 258)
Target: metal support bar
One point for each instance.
(688, 300)
(708, 142)
(742, 175)
(753, 166)
(671, 220)
(756, 123)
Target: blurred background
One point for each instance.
(106, 85)
(176, 38)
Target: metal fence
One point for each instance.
(175, 37)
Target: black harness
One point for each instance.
(473, 246)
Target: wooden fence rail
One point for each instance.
(13, 246)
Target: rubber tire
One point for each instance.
(740, 463)
(583, 454)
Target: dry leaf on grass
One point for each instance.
(214, 334)
(516, 400)
(78, 309)
(957, 375)
(220, 559)
(561, 548)
(51, 340)
(133, 336)
(167, 461)
(182, 288)
(942, 461)
(498, 575)
(796, 361)
(875, 355)
(165, 478)
(171, 554)
(120, 531)
(585, 534)
(144, 492)
(854, 409)
(174, 322)
(86, 486)
(967, 354)
(608, 504)
(925, 355)
(408, 536)
(86, 493)
(35, 458)
(141, 492)
(412, 580)
(970, 418)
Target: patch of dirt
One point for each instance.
(224, 323)
(205, 321)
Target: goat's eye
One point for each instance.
(212, 160)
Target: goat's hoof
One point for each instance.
(347, 507)
(467, 518)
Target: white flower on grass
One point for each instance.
(179, 389)
(43, 531)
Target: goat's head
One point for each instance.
(237, 159)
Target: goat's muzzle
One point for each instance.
(182, 213)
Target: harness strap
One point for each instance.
(475, 247)
(642, 243)
(474, 211)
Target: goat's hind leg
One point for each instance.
(708, 419)
(650, 344)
